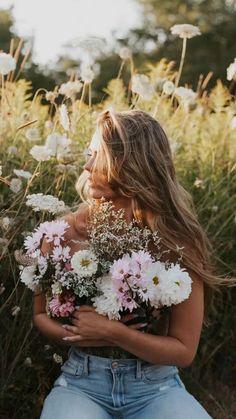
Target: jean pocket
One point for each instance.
(152, 375)
(72, 368)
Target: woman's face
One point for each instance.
(98, 186)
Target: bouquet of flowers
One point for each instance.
(116, 274)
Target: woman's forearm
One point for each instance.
(164, 350)
(54, 331)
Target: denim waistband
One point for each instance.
(119, 365)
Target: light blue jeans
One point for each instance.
(92, 387)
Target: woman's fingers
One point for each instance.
(72, 329)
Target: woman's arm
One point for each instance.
(53, 329)
(180, 346)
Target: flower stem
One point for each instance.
(181, 62)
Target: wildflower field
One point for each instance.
(43, 139)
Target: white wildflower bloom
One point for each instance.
(12, 150)
(47, 347)
(141, 85)
(41, 153)
(32, 134)
(233, 123)
(15, 185)
(40, 202)
(5, 222)
(58, 144)
(70, 88)
(7, 63)
(125, 53)
(48, 124)
(185, 30)
(84, 263)
(185, 94)
(199, 183)
(168, 87)
(87, 74)
(15, 310)
(56, 288)
(175, 285)
(64, 119)
(51, 96)
(108, 303)
(57, 358)
(0, 170)
(27, 276)
(2, 288)
(61, 253)
(66, 168)
(28, 361)
(22, 173)
(231, 71)
(214, 208)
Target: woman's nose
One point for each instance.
(88, 165)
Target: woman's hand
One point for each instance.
(88, 325)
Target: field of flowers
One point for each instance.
(42, 153)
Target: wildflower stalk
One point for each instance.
(181, 61)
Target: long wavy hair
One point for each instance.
(135, 156)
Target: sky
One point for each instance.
(55, 23)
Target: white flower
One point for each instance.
(233, 123)
(64, 119)
(15, 185)
(51, 96)
(125, 53)
(84, 263)
(152, 281)
(48, 124)
(214, 208)
(231, 71)
(57, 358)
(5, 222)
(12, 149)
(56, 288)
(175, 285)
(185, 94)
(61, 253)
(15, 310)
(27, 276)
(168, 87)
(0, 170)
(40, 202)
(70, 88)
(41, 153)
(22, 173)
(199, 183)
(2, 288)
(57, 144)
(108, 303)
(7, 63)
(28, 361)
(141, 85)
(87, 75)
(32, 134)
(185, 30)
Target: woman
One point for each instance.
(129, 163)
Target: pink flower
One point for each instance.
(62, 305)
(121, 267)
(54, 230)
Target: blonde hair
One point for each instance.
(135, 156)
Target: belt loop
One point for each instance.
(86, 361)
(139, 368)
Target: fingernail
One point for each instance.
(64, 325)
(66, 338)
(144, 324)
(77, 307)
